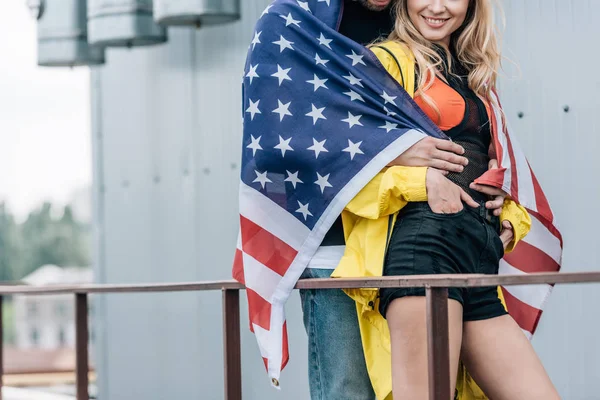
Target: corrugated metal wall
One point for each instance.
(166, 151)
(553, 43)
(167, 133)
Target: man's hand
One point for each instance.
(506, 233)
(432, 152)
(498, 194)
(444, 196)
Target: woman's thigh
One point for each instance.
(406, 318)
(503, 362)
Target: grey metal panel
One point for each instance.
(172, 113)
(149, 202)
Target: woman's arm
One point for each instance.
(515, 219)
(393, 188)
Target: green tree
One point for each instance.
(11, 249)
(78, 239)
(44, 240)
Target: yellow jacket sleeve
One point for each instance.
(389, 191)
(520, 220)
(366, 218)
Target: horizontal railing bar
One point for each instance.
(122, 288)
(448, 281)
(468, 280)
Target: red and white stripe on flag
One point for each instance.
(268, 243)
(541, 249)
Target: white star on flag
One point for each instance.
(353, 119)
(284, 44)
(354, 96)
(323, 182)
(284, 145)
(316, 113)
(256, 39)
(388, 126)
(304, 5)
(356, 58)
(318, 82)
(262, 178)
(253, 109)
(353, 149)
(354, 80)
(252, 72)
(282, 74)
(255, 145)
(289, 20)
(319, 60)
(388, 112)
(387, 98)
(325, 1)
(282, 110)
(318, 147)
(303, 210)
(266, 11)
(323, 41)
(292, 178)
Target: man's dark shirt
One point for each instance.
(363, 26)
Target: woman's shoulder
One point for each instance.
(392, 48)
(398, 61)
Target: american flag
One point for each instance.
(321, 118)
(541, 249)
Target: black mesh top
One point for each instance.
(473, 133)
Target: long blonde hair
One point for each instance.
(476, 44)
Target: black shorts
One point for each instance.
(467, 242)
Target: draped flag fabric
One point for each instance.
(321, 118)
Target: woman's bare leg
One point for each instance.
(406, 318)
(503, 362)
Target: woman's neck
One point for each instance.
(445, 42)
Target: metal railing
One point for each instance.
(437, 315)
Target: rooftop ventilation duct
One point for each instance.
(62, 34)
(196, 12)
(123, 23)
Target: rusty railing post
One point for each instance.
(232, 354)
(1, 347)
(81, 345)
(438, 348)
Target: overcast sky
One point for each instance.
(45, 145)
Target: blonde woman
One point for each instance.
(454, 48)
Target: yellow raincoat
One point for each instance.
(366, 221)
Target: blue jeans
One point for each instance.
(336, 362)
